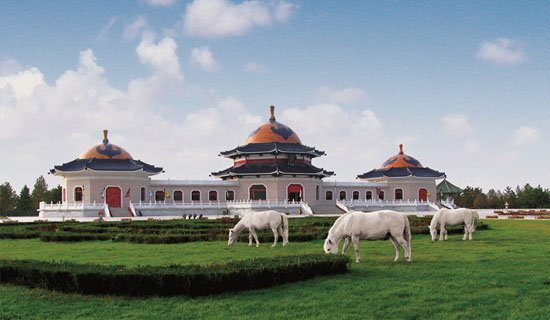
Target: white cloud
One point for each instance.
(222, 18)
(254, 67)
(472, 147)
(164, 3)
(105, 29)
(203, 58)
(162, 56)
(456, 125)
(525, 136)
(22, 83)
(502, 51)
(134, 29)
(9, 66)
(349, 95)
(284, 10)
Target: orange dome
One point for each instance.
(272, 131)
(105, 150)
(401, 160)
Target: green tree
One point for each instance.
(494, 199)
(54, 195)
(480, 202)
(510, 197)
(24, 201)
(8, 198)
(39, 192)
(466, 199)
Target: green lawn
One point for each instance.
(503, 273)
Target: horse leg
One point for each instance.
(285, 241)
(275, 236)
(471, 231)
(253, 231)
(346, 245)
(406, 247)
(396, 245)
(466, 231)
(443, 232)
(355, 240)
(249, 238)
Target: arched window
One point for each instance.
(178, 196)
(398, 194)
(159, 195)
(78, 194)
(258, 192)
(381, 195)
(195, 195)
(143, 192)
(230, 195)
(212, 195)
(342, 195)
(355, 195)
(328, 195)
(368, 196)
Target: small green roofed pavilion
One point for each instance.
(445, 188)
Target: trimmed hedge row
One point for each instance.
(177, 231)
(172, 280)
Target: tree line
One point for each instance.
(526, 197)
(26, 202)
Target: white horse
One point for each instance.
(453, 217)
(378, 225)
(261, 220)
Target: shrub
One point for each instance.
(172, 280)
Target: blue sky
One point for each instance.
(465, 86)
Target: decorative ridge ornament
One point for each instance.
(272, 109)
(105, 139)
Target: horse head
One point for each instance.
(232, 237)
(433, 232)
(330, 245)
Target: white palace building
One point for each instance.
(272, 169)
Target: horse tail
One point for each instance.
(407, 236)
(407, 230)
(475, 219)
(285, 227)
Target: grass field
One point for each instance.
(503, 273)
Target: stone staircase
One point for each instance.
(120, 212)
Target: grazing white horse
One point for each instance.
(378, 225)
(261, 220)
(452, 217)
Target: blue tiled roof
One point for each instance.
(402, 172)
(274, 169)
(273, 147)
(106, 165)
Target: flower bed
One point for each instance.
(524, 212)
(492, 216)
(515, 216)
(543, 217)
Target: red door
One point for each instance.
(423, 195)
(295, 192)
(113, 195)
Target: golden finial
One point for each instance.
(105, 139)
(401, 149)
(272, 109)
